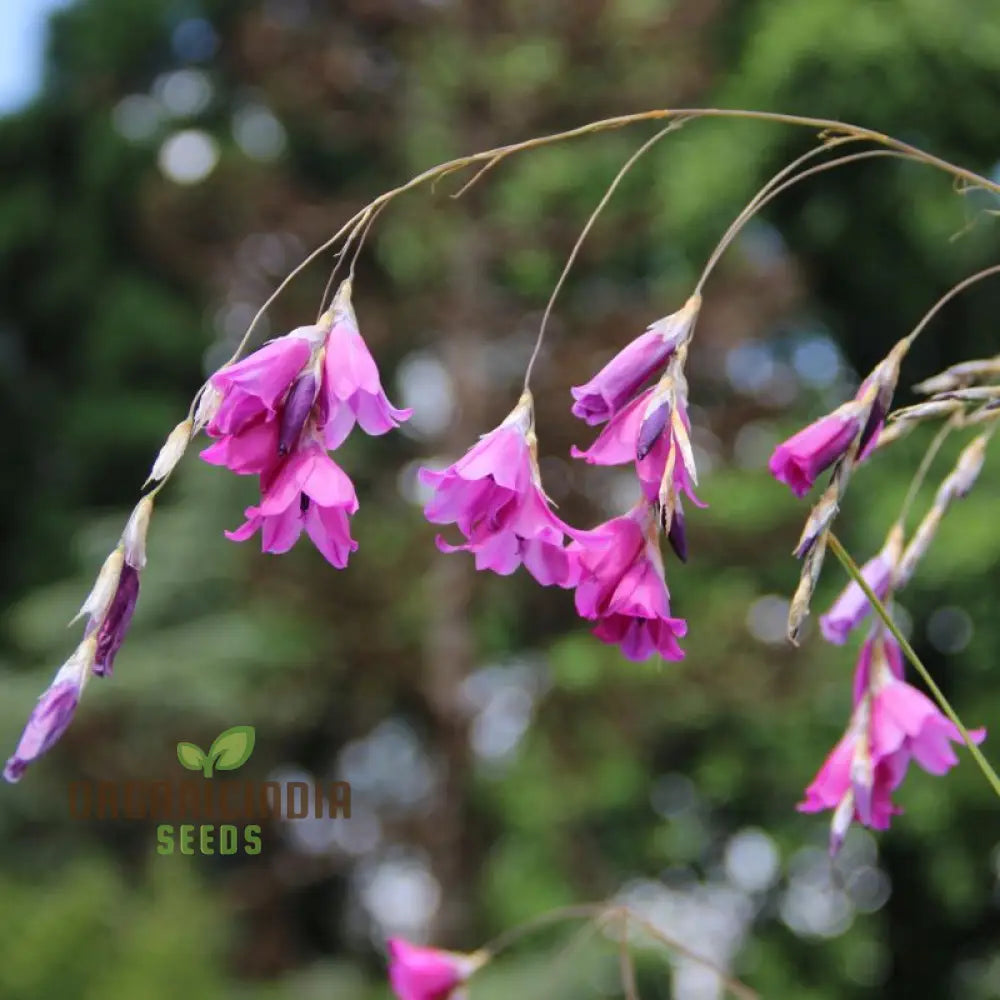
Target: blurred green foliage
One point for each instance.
(120, 289)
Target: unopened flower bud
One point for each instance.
(172, 451)
(676, 535)
(101, 594)
(208, 405)
(113, 627)
(970, 464)
(652, 426)
(296, 410)
(931, 410)
(134, 535)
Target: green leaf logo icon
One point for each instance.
(231, 749)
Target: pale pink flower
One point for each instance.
(352, 390)
(307, 491)
(418, 973)
(892, 724)
(612, 387)
(622, 586)
(493, 495)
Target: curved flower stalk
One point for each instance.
(494, 496)
(892, 724)
(422, 973)
(276, 413)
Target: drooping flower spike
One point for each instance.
(618, 381)
(418, 973)
(276, 413)
(494, 496)
(108, 609)
(622, 585)
(892, 724)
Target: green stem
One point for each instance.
(852, 569)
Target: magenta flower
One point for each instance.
(622, 586)
(352, 391)
(54, 710)
(799, 460)
(308, 490)
(256, 386)
(493, 495)
(271, 415)
(852, 607)
(252, 450)
(892, 724)
(611, 388)
(417, 973)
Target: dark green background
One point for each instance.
(119, 289)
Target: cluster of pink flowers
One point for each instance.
(892, 724)
(278, 413)
(494, 496)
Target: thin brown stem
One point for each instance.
(612, 187)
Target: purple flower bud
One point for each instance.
(53, 712)
(295, 412)
(48, 721)
(677, 536)
(111, 632)
(615, 384)
(651, 428)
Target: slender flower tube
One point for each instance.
(622, 586)
(417, 973)
(614, 385)
(892, 724)
(852, 607)
(54, 711)
(493, 495)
